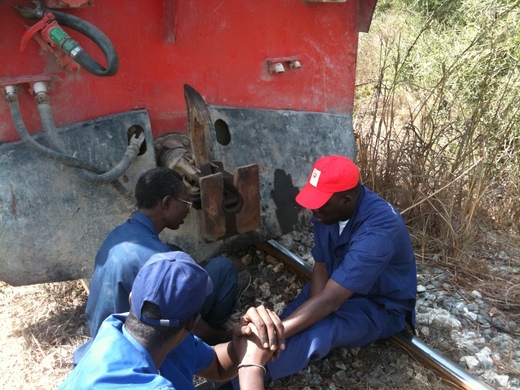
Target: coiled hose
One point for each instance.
(98, 37)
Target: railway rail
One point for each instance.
(452, 375)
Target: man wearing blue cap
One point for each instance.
(363, 286)
(152, 346)
(162, 201)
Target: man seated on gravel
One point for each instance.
(162, 201)
(363, 287)
(152, 346)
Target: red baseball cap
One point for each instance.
(329, 175)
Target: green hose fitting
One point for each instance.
(64, 41)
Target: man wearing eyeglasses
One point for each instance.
(162, 202)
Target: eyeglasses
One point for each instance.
(187, 202)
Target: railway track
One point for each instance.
(452, 375)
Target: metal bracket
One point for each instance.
(230, 203)
(40, 32)
(69, 3)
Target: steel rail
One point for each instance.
(452, 374)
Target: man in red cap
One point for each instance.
(363, 287)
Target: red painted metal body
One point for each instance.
(218, 47)
(273, 82)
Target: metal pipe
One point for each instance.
(429, 357)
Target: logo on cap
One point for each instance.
(315, 177)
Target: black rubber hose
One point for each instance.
(98, 37)
(50, 130)
(132, 151)
(130, 155)
(27, 139)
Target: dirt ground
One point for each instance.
(43, 324)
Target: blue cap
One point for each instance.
(175, 283)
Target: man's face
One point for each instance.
(338, 208)
(178, 209)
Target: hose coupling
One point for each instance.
(136, 142)
(40, 91)
(10, 94)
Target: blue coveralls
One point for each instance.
(119, 259)
(373, 258)
(116, 360)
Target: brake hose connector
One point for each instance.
(64, 41)
(49, 28)
(40, 91)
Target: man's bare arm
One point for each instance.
(316, 308)
(319, 278)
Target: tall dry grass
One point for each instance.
(437, 119)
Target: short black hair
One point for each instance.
(153, 335)
(155, 184)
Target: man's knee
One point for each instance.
(220, 304)
(221, 267)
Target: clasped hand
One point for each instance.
(260, 335)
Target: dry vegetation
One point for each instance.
(437, 121)
(43, 325)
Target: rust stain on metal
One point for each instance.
(198, 129)
(211, 190)
(170, 19)
(246, 181)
